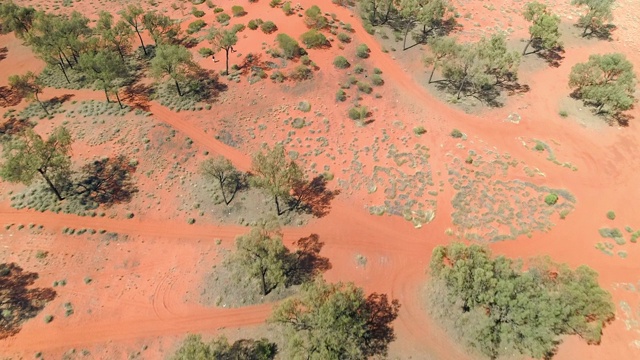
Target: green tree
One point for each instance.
(28, 86)
(260, 255)
(220, 169)
(17, 19)
(117, 36)
(497, 307)
(598, 13)
(163, 29)
(193, 348)
(313, 18)
(133, 15)
(605, 80)
(172, 60)
(223, 39)
(409, 12)
(544, 33)
(276, 175)
(336, 321)
(106, 70)
(28, 155)
(49, 43)
(440, 48)
(434, 15)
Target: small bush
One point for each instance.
(289, 46)
(238, 10)
(419, 130)
(358, 113)
(341, 95)
(48, 319)
(377, 80)
(205, 52)
(238, 28)
(610, 233)
(364, 87)
(275, 3)
(341, 62)
(563, 113)
(195, 26)
(277, 76)
(344, 38)
(304, 106)
(129, 215)
(223, 18)
(377, 71)
(551, 199)
(362, 51)
(314, 18)
(611, 215)
(268, 27)
(539, 146)
(455, 133)
(88, 280)
(254, 24)
(218, 10)
(197, 13)
(286, 8)
(305, 60)
(41, 254)
(313, 39)
(301, 72)
(191, 221)
(358, 69)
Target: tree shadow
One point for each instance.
(107, 181)
(58, 100)
(306, 261)
(138, 95)
(621, 119)
(17, 302)
(380, 333)
(205, 84)
(14, 125)
(3, 52)
(312, 197)
(553, 57)
(603, 33)
(516, 88)
(251, 349)
(8, 97)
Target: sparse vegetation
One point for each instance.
(341, 62)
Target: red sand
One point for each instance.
(140, 285)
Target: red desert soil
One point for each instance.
(143, 279)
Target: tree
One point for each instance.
(275, 174)
(17, 19)
(48, 41)
(409, 11)
(432, 16)
(222, 39)
(193, 348)
(441, 48)
(220, 169)
(605, 80)
(118, 36)
(261, 255)
(336, 321)
(172, 60)
(497, 307)
(104, 68)
(544, 33)
(133, 16)
(29, 86)
(162, 28)
(598, 12)
(28, 155)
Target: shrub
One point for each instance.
(197, 13)
(551, 199)
(611, 215)
(268, 27)
(362, 51)
(191, 221)
(304, 106)
(539, 146)
(305, 60)
(301, 72)
(238, 10)
(314, 18)
(277, 76)
(344, 38)
(377, 80)
(205, 52)
(275, 3)
(341, 62)
(564, 113)
(289, 46)
(48, 319)
(377, 71)
(238, 28)
(223, 18)
(218, 10)
(358, 113)
(313, 39)
(87, 280)
(364, 87)
(419, 130)
(254, 24)
(455, 133)
(358, 69)
(286, 8)
(195, 26)
(341, 95)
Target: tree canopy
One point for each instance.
(28, 86)
(336, 321)
(221, 170)
(599, 12)
(105, 69)
(174, 61)
(605, 81)
(497, 307)
(193, 348)
(28, 154)
(544, 33)
(276, 175)
(223, 39)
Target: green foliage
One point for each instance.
(28, 154)
(196, 12)
(273, 173)
(457, 134)
(313, 39)
(377, 80)
(163, 29)
(498, 308)
(304, 106)
(419, 130)
(171, 60)
(551, 199)
(287, 9)
(611, 215)
(17, 19)
(362, 51)
(336, 321)
(358, 113)
(544, 33)
(223, 18)
(301, 72)
(195, 26)
(341, 95)
(364, 87)
(105, 69)
(27, 86)
(275, 3)
(254, 24)
(598, 13)
(220, 169)
(238, 28)
(605, 80)
(223, 39)
(289, 46)
(611, 233)
(193, 348)
(341, 62)
(343, 37)
(268, 27)
(238, 10)
(205, 52)
(313, 18)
